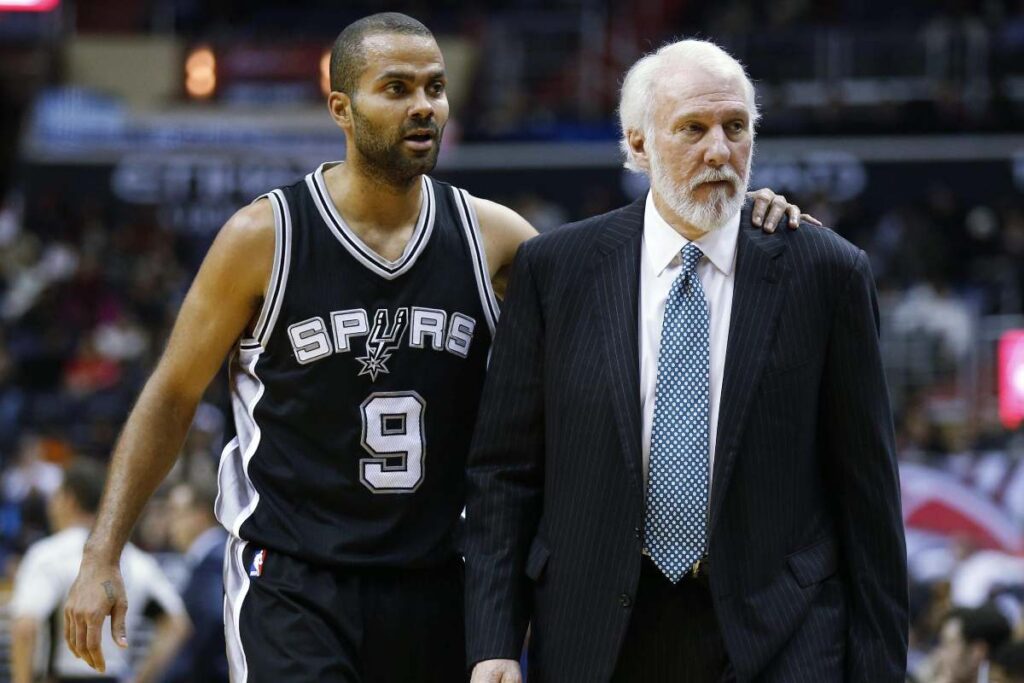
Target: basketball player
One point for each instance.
(358, 307)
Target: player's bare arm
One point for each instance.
(503, 230)
(24, 632)
(223, 300)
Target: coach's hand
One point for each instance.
(776, 207)
(497, 671)
(97, 593)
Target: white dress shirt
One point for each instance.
(45, 577)
(659, 267)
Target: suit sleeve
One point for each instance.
(505, 476)
(858, 442)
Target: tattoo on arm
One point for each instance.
(109, 588)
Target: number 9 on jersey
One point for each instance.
(393, 436)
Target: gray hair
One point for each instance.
(638, 86)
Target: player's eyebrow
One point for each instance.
(407, 75)
(399, 74)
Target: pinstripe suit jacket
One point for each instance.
(807, 556)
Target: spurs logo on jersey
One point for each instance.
(382, 342)
(313, 340)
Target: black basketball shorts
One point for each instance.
(289, 621)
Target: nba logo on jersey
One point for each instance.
(256, 569)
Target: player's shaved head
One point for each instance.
(348, 56)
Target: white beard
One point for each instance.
(710, 214)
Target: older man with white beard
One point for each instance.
(683, 466)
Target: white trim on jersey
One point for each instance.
(388, 270)
(236, 587)
(279, 274)
(471, 227)
(237, 497)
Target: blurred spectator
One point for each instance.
(928, 603)
(90, 371)
(982, 575)
(30, 474)
(196, 533)
(26, 486)
(56, 263)
(967, 641)
(46, 574)
(121, 339)
(200, 455)
(1008, 664)
(929, 310)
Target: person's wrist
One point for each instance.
(99, 555)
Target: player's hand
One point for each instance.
(497, 671)
(776, 206)
(97, 593)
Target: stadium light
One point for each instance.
(1011, 378)
(201, 73)
(28, 5)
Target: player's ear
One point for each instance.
(637, 146)
(340, 106)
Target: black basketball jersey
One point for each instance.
(355, 398)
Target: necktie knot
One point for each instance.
(690, 257)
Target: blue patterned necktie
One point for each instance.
(677, 485)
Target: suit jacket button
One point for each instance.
(636, 531)
(625, 600)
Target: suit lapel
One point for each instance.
(617, 276)
(757, 298)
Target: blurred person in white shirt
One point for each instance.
(45, 577)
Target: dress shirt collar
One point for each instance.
(662, 243)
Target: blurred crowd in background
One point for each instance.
(551, 69)
(90, 284)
